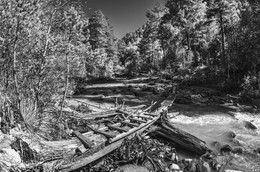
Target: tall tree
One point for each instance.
(102, 43)
(228, 13)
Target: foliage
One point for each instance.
(45, 44)
(103, 48)
(40, 39)
(251, 84)
(221, 34)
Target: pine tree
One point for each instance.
(102, 41)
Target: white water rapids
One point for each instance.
(216, 127)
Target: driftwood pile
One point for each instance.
(144, 149)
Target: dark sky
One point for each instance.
(125, 15)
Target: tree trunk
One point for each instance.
(66, 87)
(40, 74)
(164, 59)
(223, 41)
(16, 87)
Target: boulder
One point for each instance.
(249, 125)
(206, 167)
(231, 134)
(237, 150)
(9, 158)
(225, 148)
(174, 167)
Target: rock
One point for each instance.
(217, 145)
(166, 169)
(149, 166)
(193, 167)
(189, 160)
(174, 157)
(215, 165)
(206, 167)
(10, 158)
(5, 140)
(130, 168)
(231, 134)
(237, 150)
(249, 125)
(225, 148)
(161, 155)
(26, 153)
(174, 167)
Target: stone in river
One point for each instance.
(249, 125)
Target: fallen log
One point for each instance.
(116, 142)
(180, 137)
(163, 128)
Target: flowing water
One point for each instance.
(218, 125)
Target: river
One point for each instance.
(215, 124)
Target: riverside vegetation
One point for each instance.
(49, 49)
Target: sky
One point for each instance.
(125, 15)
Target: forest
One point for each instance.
(49, 48)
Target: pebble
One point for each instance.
(206, 167)
(174, 167)
(174, 157)
(193, 167)
(225, 148)
(130, 168)
(237, 150)
(167, 169)
(231, 134)
(161, 155)
(10, 157)
(188, 160)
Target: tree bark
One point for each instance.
(45, 50)
(66, 87)
(180, 137)
(16, 87)
(223, 41)
(37, 90)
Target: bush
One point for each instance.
(251, 85)
(203, 75)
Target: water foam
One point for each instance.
(203, 120)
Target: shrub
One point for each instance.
(251, 85)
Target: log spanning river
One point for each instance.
(217, 127)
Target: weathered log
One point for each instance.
(181, 138)
(84, 140)
(123, 112)
(116, 142)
